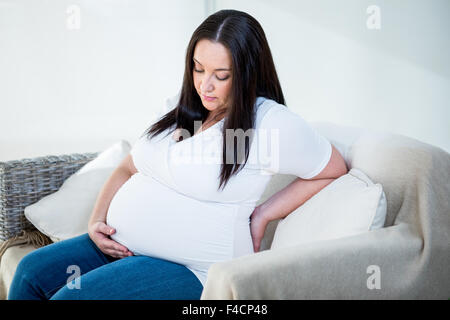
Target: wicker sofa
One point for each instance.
(23, 182)
(411, 250)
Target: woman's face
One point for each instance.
(212, 74)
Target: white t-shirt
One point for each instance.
(172, 208)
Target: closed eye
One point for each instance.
(221, 79)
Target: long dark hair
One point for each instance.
(254, 75)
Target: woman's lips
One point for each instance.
(208, 98)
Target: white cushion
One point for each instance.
(350, 205)
(65, 214)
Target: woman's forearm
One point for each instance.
(109, 189)
(291, 197)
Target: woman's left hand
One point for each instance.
(258, 224)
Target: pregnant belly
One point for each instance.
(154, 220)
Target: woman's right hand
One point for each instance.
(99, 232)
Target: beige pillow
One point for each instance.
(65, 214)
(349, 205)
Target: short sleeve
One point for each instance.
(295, 147)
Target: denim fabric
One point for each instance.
(50, 273)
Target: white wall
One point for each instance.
(68, 90)
(332, 67)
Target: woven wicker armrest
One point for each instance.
(24, 182)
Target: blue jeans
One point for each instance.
(51, 272)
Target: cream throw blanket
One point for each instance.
(412, 252)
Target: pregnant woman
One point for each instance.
(185, 197)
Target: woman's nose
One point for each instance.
(206, 86)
